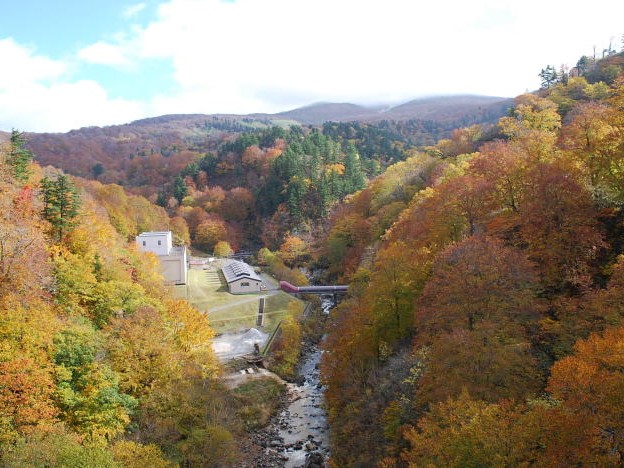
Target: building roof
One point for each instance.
(235, 270)
(154, 233)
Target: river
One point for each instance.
(303, 423)
(300, 433)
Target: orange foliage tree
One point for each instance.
(209, 232)
(293, 250)
(558, 224)
(26, 391)
(590, 384)
(480, 303)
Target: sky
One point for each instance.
(67, 64)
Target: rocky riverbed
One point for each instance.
(303, 423)
(298, 436)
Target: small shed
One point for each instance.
(240, 278)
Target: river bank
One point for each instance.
(303, 423)
(298, 435)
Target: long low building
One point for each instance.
(241, 278)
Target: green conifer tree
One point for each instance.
(19, 157)
(354, 178)
(180, 190)
(60, 205)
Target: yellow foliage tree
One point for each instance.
(533, 125)
(292, 250)
(193, 334)
(134, 455)
(285, 352)
(222, 249)
(140, 350)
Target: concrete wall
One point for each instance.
(174, 269)
(159, 243)
(244, 285)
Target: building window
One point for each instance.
(244, 284)
(143, 243)
(158, 242)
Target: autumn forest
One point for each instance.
(484, 322)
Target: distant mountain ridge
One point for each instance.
(318, 113)
(165, 144)
(436, 108)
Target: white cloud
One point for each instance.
(22, 66)
(247, 56)
(239, 56)
(36, 97)
(61, 107)
(133, 10)
(103, 53)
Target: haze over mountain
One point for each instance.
(437, 108)
(477, 109)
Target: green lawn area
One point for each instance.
(207, 291)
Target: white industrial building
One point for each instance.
(241, 278)
(173, 259)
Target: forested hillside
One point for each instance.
(485, 319)
(99, 365)
(258, 177)
(484, 323)
(146, 153)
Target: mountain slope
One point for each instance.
(318, 113)
(460, 108)
(448, 108)
(154, 150)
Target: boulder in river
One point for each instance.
(315, 460)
